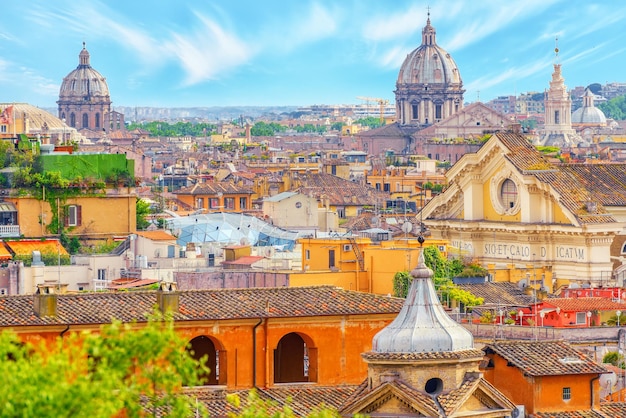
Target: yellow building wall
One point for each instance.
(102, 216)
(489, 213)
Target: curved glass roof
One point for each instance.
(230, 229)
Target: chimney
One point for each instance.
(168, 297)
(45, 302)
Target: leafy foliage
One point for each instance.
(266, 129)
(158, 128)
(371, 121)
(142, 209)
(125, 370)
(614, 108)
(443, 271)
(614, 358)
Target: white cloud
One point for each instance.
(207, 52)
(510, 75)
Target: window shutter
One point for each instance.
(66, 216)
(79, 215)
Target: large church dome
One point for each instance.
(84, 81)
(429, 63)
(429, 86)
(84, 100)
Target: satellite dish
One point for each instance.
(375, 221)
(522, 283)
(407, 227)
(574, 286)
(608, 380)
(244, 241)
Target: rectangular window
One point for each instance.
(331, 258)
(581, 318)
(102, 274)
(386, 187)
(414, 112)
(377, 186)
(438, 111)
(567, 394)
(243, 203)
(307, 254)
(73, 216)
(3, 128)
(214, 203)
(557, 117)
(229, 203)
(200, 203)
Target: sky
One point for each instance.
(195, 53)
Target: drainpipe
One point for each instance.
(254, 352)
(591, 386)
(67, 328)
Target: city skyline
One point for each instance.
(192, 54)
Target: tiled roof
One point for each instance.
(499, 294)
(393, 130)
(451, 400)
(435, 355)
(544, 358)
(572, 414)
(586, 304)
(572, 192)
(213, 188)
(337, 190)
(301, 398)
(157, 235)
(211, 304)
(607, 182)
(246, 260)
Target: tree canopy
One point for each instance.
(614, 108)
(159, 128)
(443, 272)
(131, 369)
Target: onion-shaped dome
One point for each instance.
(588, 114)
(422, 326)
(429, 63)
(84, 82)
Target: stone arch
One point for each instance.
(295, 359)
(210, 347)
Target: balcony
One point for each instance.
(9, 231)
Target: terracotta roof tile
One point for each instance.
(499, 293)
(211, 304)
(586, 304)
(451, 400)
(572, 414)
(337, 190)
(436, 355)
(545, 358)
(156, 235)
(565, 181)
(213, 188)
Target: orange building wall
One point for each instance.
(540, 393)
(192, 201)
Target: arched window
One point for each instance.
(73, 120)
(216, 359)
(85, 120)
(508, 194)
(97, 120)
(295, 360)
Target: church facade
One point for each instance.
(507, 204)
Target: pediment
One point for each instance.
(476, 400)
(476, 114)
(391, 400)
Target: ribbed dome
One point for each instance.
(422, 326)
(588, 114)
(429, 63)
(84, 81)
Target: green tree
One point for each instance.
(131, 370)
(614, 358)
(142, 210)
(443, 271)
(614, 108)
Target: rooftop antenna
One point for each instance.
(420, 237)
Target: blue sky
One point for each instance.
(277, 52)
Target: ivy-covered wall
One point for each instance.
(104, 167)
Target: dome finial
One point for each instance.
(84, 45)
(428, 13)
